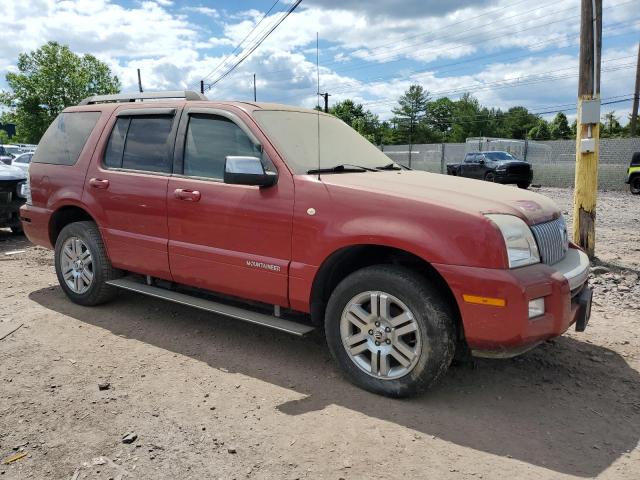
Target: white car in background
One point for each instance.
(8, 153)
(22, 161)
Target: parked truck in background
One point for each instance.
(493, 166)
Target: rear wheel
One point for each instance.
(490, 177)
(634, 185)
(389, 331)
(524, 185)
(82, 264)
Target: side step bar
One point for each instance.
(250, 316)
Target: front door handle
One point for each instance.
(99, 183)
(187, 195)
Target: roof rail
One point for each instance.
(132, 97)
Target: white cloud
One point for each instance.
(357, 37)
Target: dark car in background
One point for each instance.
(13, 194)
(495, 166)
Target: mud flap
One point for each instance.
(584, 309)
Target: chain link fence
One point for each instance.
(553, 161)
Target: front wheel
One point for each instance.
(82, 265)
(490, 177)
(634, 185)
(389, 331)
(524, 185)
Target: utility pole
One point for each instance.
(254, 88)
(326, 101)
(588, 127)
(202, 86)
(636, 98)
(139, 82)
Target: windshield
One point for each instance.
(499, 156)
(295, 135)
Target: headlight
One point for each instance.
(521, 246)
(24, 190)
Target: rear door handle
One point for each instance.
(187, 195)
(99, 183)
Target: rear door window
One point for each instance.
(140, 143)
(64, 140)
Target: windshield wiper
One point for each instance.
(393, 166)
(342, 168)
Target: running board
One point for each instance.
(210, 306)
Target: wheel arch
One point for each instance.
(347, 260)
(63, 216)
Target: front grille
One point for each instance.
(552, 240)
(8, 191)
(518, 169)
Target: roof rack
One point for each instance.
(132, 97)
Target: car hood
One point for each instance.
(8, 172)
(449, 192)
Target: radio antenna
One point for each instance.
(318, 97)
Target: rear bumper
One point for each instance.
(35, 223)
(503, 331)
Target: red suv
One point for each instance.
(288, 218)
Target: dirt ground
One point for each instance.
(209, 397)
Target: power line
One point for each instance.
(516, 82)
(269, 73)
(227, 57)
(340, 87)
(256, 45)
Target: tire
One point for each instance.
(524, 185)
(432, 341)
(17, 230)
(634, 185)
(490, 177)
(83, 291)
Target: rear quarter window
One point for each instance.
(65, 138)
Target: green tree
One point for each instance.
(440, 116)
(559, 127)
(540, 131)
(50, 79)
(611, 126)
(363, 121)
(4, 137)
(518, 122)
(410, 114)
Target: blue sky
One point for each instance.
(505, 52)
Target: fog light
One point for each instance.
(536, 307)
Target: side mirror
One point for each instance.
(247, 171)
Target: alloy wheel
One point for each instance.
(76, 265)
(380, 335)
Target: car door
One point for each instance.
(232, 239)
(126, 188)
(468, 166)
(481, 166)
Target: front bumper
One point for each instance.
(503, 176)
(503, 331)
(9, 210)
